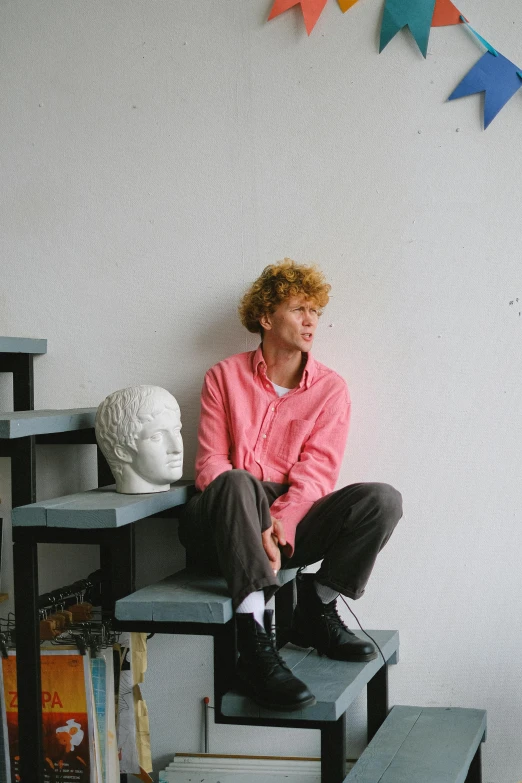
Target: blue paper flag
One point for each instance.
(416, 14)
(497, 77)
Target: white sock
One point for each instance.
(253, 604)
(326, 594)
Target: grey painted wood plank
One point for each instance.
(422, 744)
(188, 596)
(22, 345)
(100, 508)
(24, 423)
(441, 746)
(35, 514)
(377, 757)
(335, 684)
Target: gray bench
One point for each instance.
(424, 745)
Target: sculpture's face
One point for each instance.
(159, 449)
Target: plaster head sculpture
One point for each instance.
(138, 430)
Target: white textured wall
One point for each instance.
(156, 154)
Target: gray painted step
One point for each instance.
(23, 423)
(22, 345)
(186, 597)
(422, 745)
(99, 508)
(335, 684)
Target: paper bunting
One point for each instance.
(312, 10)
(415, 14)
(495, 75)
(344, 5)
(446, 14)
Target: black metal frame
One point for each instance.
(117, 564)
(333, 733)
(475, 770)
(117, 556)
(21, 365)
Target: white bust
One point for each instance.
(138, 430)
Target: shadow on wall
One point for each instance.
(213, 333)
(217, 333)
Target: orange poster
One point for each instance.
(66, 713)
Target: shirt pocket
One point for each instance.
(295, 435)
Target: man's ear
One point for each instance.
(266, 321)
(123, 454)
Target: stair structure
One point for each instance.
(407, 744)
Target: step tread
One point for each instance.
(335, 684)
(99, 508)
(20, 424)
(30, 345)
(423, 744)
(189, 596)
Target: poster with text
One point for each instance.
(68, 737)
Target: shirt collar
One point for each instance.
(259, 367)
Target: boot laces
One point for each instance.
(267, 652)
(331, 615)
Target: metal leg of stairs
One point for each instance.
(377, 701)
(475, 770)
(25, 566)
(333, 751)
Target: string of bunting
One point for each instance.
(493, 74)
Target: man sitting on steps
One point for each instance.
(272, 434)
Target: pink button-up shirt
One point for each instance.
(297, 439)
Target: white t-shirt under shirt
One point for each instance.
(280, 390)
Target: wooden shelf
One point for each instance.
(21, 424)
(29, 345)
(100, 508)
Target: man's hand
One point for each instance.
(271, 548)
(273, 538)
(278, 531)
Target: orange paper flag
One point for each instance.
(311, 9)
(346, 4)
(445, 14)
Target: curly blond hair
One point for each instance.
(277, 283)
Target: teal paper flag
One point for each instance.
(494, 75)
(415, 14)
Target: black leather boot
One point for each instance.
(262, 673)
(318, 625)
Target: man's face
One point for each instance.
(293, 323)
(158, 457)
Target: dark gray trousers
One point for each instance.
(221, 530)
